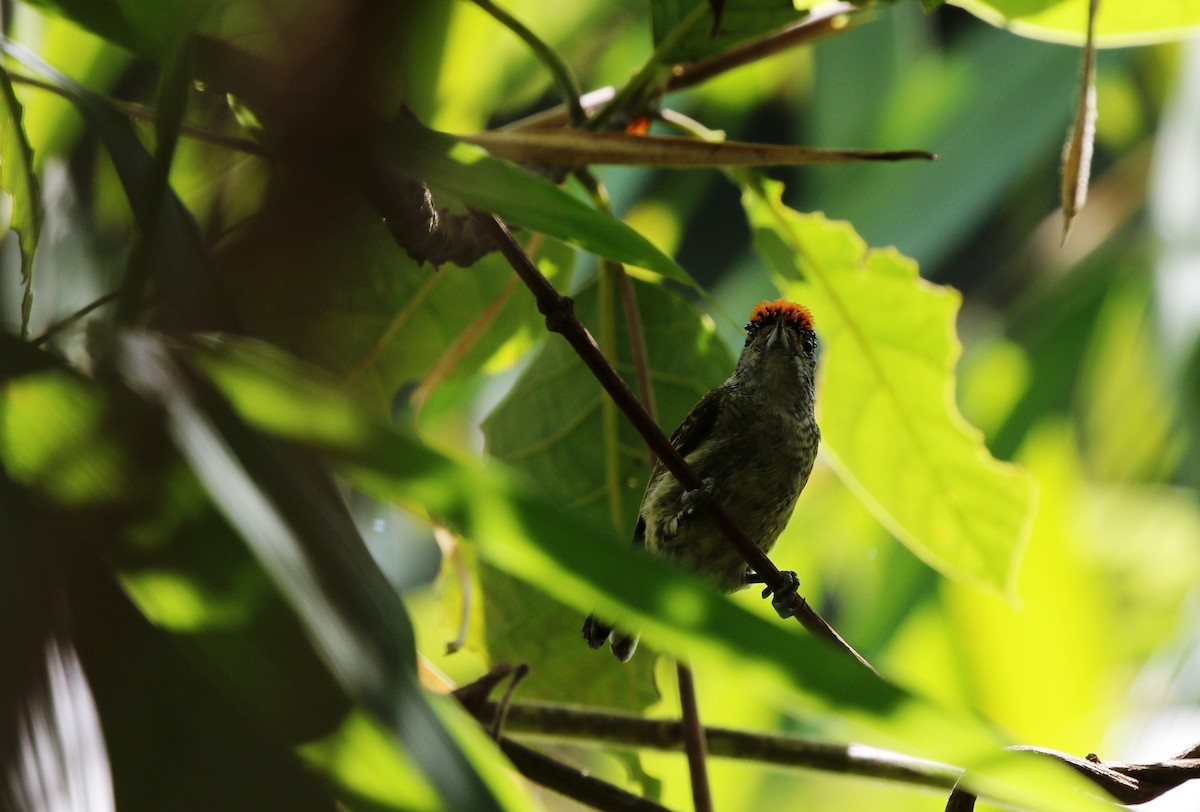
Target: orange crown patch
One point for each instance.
(796, 315)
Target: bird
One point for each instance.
(752, 441)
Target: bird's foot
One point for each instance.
(695, 498)
(781, 600)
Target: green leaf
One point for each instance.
(177, 256)
(293, 521)
(529, 534)
(56, 436)
(1120, 22)
(740, 20)
(886, 395)
(17, 178)
(380, 319)
(150, 29)
(489, 184)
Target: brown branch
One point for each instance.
(694, 742)
(561, 318)
(538, 767)
(574, 783)
(582, 726)
(1127, 783)
(814, 26)
(827, 21)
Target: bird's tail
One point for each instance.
(596, 632)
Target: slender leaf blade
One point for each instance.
(17, 178)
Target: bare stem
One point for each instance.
(694, 743)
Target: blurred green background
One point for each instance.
(1080, 358)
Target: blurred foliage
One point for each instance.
(217, 510)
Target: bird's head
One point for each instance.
(780, 349)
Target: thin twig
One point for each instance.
(141, 112)
(585, 727)
(568, 85)
(818, 24)
(69, 321)
(823, 23)
(637, 86)
(561, 318)
(694, 743)
(574, 783)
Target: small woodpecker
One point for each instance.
(753, 441)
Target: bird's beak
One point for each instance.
(778, 333)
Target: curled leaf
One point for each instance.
(1077, 151)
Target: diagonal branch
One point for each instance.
(561, 318)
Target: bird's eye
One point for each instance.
(808, 342)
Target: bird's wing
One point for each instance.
(691, 432)
(698, 424)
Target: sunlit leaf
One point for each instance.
(362, 759)
(1121, 22)
(57, 436)
(885, 396)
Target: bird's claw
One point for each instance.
(694, 498)
(781, 601)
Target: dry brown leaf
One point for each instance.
(568, 147)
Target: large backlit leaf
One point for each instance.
(529, 534)
(886, 394)
(1120, 22)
